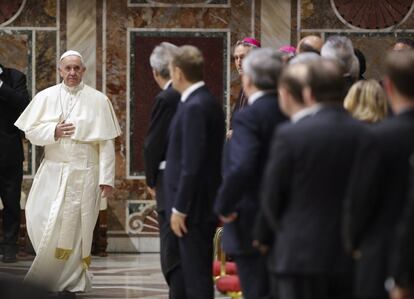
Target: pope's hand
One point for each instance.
(177, 223)
(106, 190)
(64, 130)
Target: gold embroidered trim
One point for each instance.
(86, 262)
(234, 295)
(63, 254)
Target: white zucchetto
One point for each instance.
(71, 53)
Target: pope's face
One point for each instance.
(71, 70)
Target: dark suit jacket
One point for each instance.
(192, 176)
(13, 100)
(156, 141)
(304, 190)
(246, 155)
(402, 263)
(373, 216)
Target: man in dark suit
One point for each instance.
(376, 208)
(291, 102)
(401, 282)
(155, 148)
(237, 201)
(304, 191)
(13, 100)
(192, 175)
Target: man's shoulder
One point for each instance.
(202, 93)
(169, 95)
(13, 72)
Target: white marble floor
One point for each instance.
(116, 276)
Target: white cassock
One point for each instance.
(63, 203)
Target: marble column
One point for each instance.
(275, 23)
(81, 34)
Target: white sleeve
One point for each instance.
(107, 162)
(42, 133)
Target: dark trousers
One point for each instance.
(10, 188)
(196, 251)
(313, 286)
(253, 276)
(169, 249)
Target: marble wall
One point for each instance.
(110, 33)
(133, 27)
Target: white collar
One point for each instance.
(1, 70)
(305, 112)
(167, 84)
(186, 93)
(258, 94)
(73, 89)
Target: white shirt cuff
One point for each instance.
(162, 165)
(1, 82)
(175, 211)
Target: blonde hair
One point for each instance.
(366, 101)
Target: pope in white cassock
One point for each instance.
(77, 125)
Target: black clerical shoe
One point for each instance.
(9, 258)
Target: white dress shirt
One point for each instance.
(186, 93)
(305, 112)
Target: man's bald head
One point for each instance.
(310, 43)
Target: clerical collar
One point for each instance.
(167, 84)
(73, 89)
(186, 93)
(257, 95)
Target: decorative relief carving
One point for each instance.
(142, 217)
(372, 14)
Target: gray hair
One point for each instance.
(340, 49)
(161, 57)
(263, 67)
(304, 57)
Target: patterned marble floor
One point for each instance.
(116, 276)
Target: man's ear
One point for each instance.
(179, 73)
(308, 97)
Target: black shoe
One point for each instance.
(9, 258)
(9, 254)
